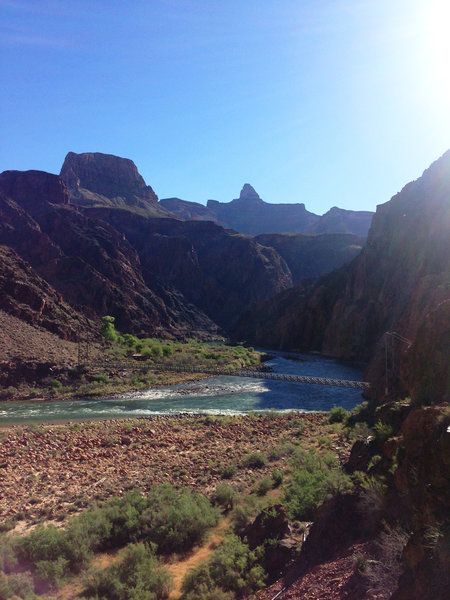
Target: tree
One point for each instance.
(108, 330)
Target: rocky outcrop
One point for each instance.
(401, 275)
(96, 179)
(309, 256)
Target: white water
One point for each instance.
(218, 395)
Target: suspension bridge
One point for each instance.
(255, 374)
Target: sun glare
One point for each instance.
(435, 24)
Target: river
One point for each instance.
(218, 395)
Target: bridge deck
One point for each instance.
(362, 385)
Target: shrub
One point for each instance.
(383, 573)
(228, 471)
(233, 567)
(224, 496)
(108, 330)
(8, 558)
(101, 379)
(337, 414)
(137, 575)
(316, 478)
(382, 432)
(262, 486)
(55, 384)
(52, 571)
(177, 520)
(256, 460)
(277, 477)
(246, 510)
(19, 585)
(283, 448)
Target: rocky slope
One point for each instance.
(96, 179)
(309, 256)
(219, 272)
(156, 276)
(90, 264)
(251, 215)
(402, 275)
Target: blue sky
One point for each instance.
(326, 102)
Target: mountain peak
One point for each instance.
(248, 193)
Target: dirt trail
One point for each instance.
(197, 556)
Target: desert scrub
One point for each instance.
(316, 477)
(138, 574)
(228, 471)
(170, 519)
(337, 415)
(233, 567)
(255, 460)
(224, 495)
(262, 486)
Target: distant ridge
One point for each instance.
(251, 215)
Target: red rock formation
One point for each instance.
(219, 272)
(92, 266)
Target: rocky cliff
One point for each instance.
(402, 275)
(155, 276)
(96, 179)
(219, 272)
(309, 256)
(89, 264)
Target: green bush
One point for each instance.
(8, 557)
(53, 571)
(233, 567)
(316, 477)
(228, 471)
(382, 432)
(138, 575)
(256, 460)
(277, 477)
(18, 585)
(101, 379)
(262, 486)
(55, 384)
(176, 520)
(246, 510)
(337, 414)
(224, 496)
(108, 330)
